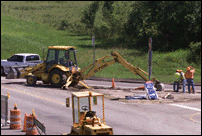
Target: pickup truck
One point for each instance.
(20, 59)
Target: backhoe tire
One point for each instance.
(31, 80)
(57, 78)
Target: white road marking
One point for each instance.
(186, 107)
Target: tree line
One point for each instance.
(171, 24)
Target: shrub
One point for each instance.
(64, 24)
(194, 54)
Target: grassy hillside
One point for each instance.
(23, 30)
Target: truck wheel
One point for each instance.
(31, 80)
(2, 71)
(57, 78)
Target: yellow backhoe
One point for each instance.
(101, 64)
(85, 119)
(60, 69)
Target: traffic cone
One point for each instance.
(24, 127)
(113, 84)
(139, 88)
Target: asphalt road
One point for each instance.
(125, 118)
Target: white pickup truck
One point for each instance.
(20, 59)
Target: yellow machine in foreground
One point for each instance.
(85, 120)
(60, 69)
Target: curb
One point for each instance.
(127, 80)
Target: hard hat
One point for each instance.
(188, 68)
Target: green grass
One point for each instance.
(20, 33)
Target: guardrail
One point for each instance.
(4, 108)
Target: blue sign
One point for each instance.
(151, 92)
(149, 86)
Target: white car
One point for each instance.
(20, 59)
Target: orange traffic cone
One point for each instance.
(113, 84)
(140, 88)
(24, 127)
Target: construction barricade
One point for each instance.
(15, 118)
(4, 108)
(30, 127)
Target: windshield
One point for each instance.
(82, 104)
(16, 58)
(67, 58)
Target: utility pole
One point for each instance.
(43, 53)
(93, 44)
(150, 57)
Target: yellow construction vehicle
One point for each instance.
(59, 65)
(101, 64)
(85, 120)
(60, 69)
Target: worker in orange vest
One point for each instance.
(189, 75)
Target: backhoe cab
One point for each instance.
(61, 55)
(85, 120)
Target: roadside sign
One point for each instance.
(151, 92)
(149, 86)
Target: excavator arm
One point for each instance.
(135, 70)
(102, 63)
(98, 66)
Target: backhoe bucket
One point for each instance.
(159, 86)
(13, 73)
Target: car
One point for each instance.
(20, 59)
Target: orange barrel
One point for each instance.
(15, 119)
(30, 128)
